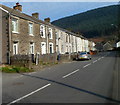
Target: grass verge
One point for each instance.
(14, 69)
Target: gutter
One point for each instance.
(4, 10)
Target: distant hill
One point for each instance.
(93, 23)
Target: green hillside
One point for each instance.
(93, 23)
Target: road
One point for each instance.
(90, 81)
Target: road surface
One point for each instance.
(90, 81)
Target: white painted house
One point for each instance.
(118, 44)
(68, 42)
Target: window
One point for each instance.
(62, 48)
(69, 39)
(50, 33)
(14, 25)
(31, 48)
(61, 36)
(30, 29)
(43, 48)
(66, 38)
(15, 48)
(51, 48)
(56, 33)
(42, 31)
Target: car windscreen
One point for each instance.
(83, 53)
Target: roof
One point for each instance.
(21, 15)
(27, 17)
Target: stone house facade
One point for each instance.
(22, 34)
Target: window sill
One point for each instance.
(31, 34)
(42, 37)
(15, 32)
(31, 53)
(50, 38)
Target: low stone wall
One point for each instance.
(64, 58)
(21, 60)
(49, 58)
(40, 60)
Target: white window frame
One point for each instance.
(56, 35)
(52, 48)
(50, 33)
(15, 51)
(43, 52)
(14, 25)
(32, 48)
(30, 26)
(42, 30)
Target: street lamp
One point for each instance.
(117, 37)
(114, 25)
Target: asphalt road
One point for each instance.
(90, 81)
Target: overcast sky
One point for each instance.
(57, 10)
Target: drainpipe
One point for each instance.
(76, 43)
(47, 38)
(9, 52)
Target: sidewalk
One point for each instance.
(119, 77)
(116, 79)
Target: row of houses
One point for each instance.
(22, 34)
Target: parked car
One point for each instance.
(84, 55)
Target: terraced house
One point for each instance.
(22, 34)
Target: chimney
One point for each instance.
(35, 15)
(18, 7)
(47, 20)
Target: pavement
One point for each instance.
(89, 81)
(116, 78)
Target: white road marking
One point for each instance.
(70, 73)
(99, 59)
(21, 76)
(86, 65)
(28, 94)
(32, 73)
(94, 61)
(102, 57)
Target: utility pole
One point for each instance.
(119, 20)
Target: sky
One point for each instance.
(57, 10)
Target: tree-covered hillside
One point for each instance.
(93, 23)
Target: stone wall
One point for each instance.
(4, 36)
(23, 38)
(21, 60)
(32, 60)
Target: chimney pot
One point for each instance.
(17, 4)
(18, 7)
(35, 15)
(47, 20)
